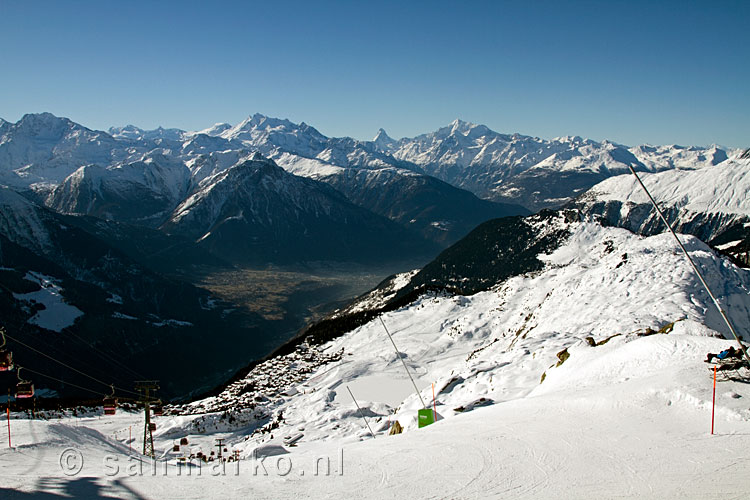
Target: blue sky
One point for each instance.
(632, 72)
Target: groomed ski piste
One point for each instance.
(584, 380)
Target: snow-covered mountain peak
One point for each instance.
(214, 130)
(45, 126)
(129, 132)
(45, 117)
(259, 121)
(578, 141)
(462, 128)
(267, 133)
(247, 174)
(133, 133)
(257, 156)
(382, 140)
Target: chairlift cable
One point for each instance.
(398, 354)
(690, 260)
(67, 366)
(104, 354)
(63, 381)
(61, 354)
(52, 350)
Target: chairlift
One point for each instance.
(158, 409)
(24, 388)
(110, 403)
(6, 356)
(152, 426)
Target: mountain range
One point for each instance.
(73, 169)
(105, 229)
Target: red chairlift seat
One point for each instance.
(110, 406)
(110, 403)
(24, 389)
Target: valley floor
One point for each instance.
(299, 294)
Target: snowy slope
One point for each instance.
(604, 286)
(704, 201)
(23, 222)
(590, 371)
(629, 443)
(658, 157)
(143, 191)
(44, 149)
(55, 314)
(716, 189)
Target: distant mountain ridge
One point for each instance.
(141, 176)
(256, 211)
(530, 171)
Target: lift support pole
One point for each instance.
(145, 387)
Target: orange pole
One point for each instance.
(713, 404)
(7, 410)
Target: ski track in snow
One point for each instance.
(590, 446)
